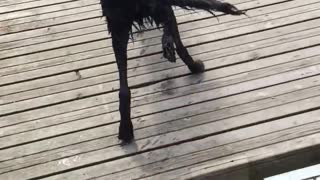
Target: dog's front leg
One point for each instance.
(120, 35)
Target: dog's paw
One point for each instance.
(197, 67)
(126, 133)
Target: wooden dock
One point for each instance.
(254, 113)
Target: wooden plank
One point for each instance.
(179, 82)
(64, 43)
(54, 44)
(64, 19)
(72, 58)
(19, 106)
(224, 34)
(35, 148)
(41, 83)
(92, 144)
(13, 2)
(29, 5)
(37, 13)
(40, 21)
(241, 99)
(100, 100)
(257, 14)
(22, 86)
(36, 10)
(211, 169)
(219, 93)
(277, 127)
(70, 52)
(280, 163)
(4, 90)
(49, 48)
(219, 78)
(8, 79)
(59, 15)
(266, 167)
(56, 10)
(183, 86)
(49, 33)
(86, 29)
(167, 162)
(145, 100)
(48, 22)
(200, 50)
(10, 2)
(15, 36)
(13, 44)
(148, 34)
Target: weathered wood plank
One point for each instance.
(182, 82)
(57, 6)
(46, 55)
(293, 124)
(41, 83)
(92, 37)
(45, 23)
(42, 12)
(216, 105)
(28, 5)
(94, 143)
(101, 70)
(18, 106)
(214, 166)
(4, 90)
(100, 22)
(51, 33)
(86, 103)
(283, 161)
(145, 70)
(264, 77)
(202, 93)
(179, 12)
(75, 126)
(11, 27)
(65, 19)
(243, 73)
(45, 81)
(96, 71)
(198, 51)
(12, 2)
(86, 29)
(65, 44)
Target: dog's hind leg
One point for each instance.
(120, 31)
(170, 27)
(168, 46)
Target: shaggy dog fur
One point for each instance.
(123, 14)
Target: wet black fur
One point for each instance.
(123, 14)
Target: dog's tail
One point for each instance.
(207, 5)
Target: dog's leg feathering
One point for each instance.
(168, 46)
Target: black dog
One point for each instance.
(122, 14)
